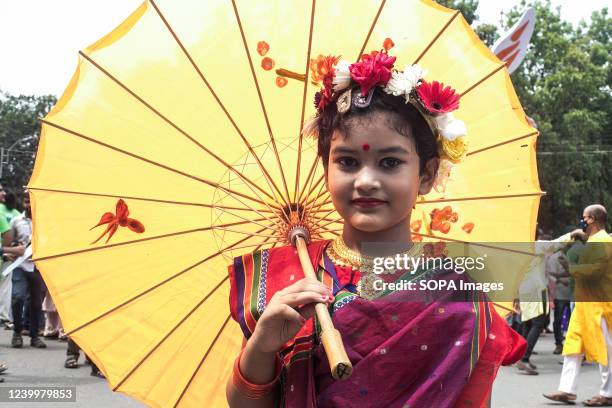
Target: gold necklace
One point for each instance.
(342, 255)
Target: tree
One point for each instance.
(466, 7)
(564, 84)
(20, 128)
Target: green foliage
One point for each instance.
(564, 85)
(20, 128)
(487, 33)
(467, 8)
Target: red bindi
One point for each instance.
(365, 147)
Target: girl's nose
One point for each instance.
(366, 180)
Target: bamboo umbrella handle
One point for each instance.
(339, 362)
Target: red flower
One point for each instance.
(322, 99)
(373, 69)
(119, 219)
(437, 98)
(322, 69)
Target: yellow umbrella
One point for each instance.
(180, 133)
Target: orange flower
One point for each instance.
(441, 219)
(468, 227)
(267, 63)
(322, 68)
(262, 48)
(388, 44)
(280, 81)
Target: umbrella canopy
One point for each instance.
(179, 137)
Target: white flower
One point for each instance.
(403, 82)
(414, 74)
(397, 85)
(449, 127)
(342, 79)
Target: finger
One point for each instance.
(307, 311)
(307, 284)
(303, 298)
(291, 315)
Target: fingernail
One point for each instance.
(324, 298)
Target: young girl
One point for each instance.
(381, 135)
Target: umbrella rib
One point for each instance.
(137, 241)
(309, 179)
(305, 92)
(380, 8)
(210, 347)
(432, 42)
(246, 219)
(268, 242)
(246, 232)
(176, 326)
(317, 195)
(261, 102)
(171, 123)
(154, 200)
(268, 178)
(324, 217)
(335, 232)
(322, 203)
(325, 201)
(163, 166)
(446, 200)
(152, 288)
(502, 307)
(330, 222)
(497, 69)
(170, 332)
(502, 143)
(311, 190)
(515, 251)
(201, 362)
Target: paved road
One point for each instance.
(513, 389)
(38, 367)
(29, 366)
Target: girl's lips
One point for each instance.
(367, 202)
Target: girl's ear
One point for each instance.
(428, 176)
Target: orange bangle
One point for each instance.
(247, 388)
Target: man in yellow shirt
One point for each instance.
(589, 329)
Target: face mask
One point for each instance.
(582, 224)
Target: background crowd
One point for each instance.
(26, 307)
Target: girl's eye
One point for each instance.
(347, 162)
(390, 162)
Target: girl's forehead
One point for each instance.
(371, 137)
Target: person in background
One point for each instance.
(8, 208)
(558, 272)
(588, 335)
(6, 315)
(26, 280)
(534, 299)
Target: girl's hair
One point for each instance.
(10, 201)
(404, 118)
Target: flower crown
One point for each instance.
(349, 84)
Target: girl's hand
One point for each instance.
(287, 312)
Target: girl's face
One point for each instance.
(373, 175)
